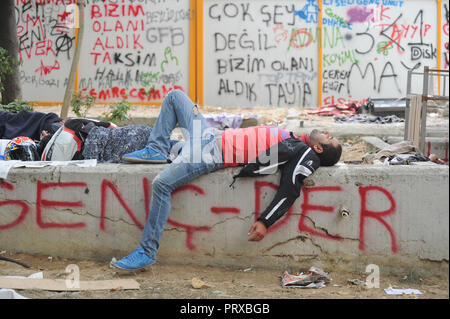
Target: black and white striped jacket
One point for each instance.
(296, 160)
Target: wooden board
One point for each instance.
(415, 120)
(62, 285)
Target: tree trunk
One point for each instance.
(76, 59)
(9, 41)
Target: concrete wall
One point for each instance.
(397, 216)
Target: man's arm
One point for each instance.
(292, 176)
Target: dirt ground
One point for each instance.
(161, 281)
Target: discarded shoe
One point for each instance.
(145, 155)
(136, 260)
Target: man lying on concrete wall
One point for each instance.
(261, 149)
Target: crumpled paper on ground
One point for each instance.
(198, 284)
(314, 278)
(363, 118)
(10, 294)
(337, 109)
(408, 291)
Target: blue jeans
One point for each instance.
(177, 108)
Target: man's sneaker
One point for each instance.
(145, 155)
(136, 260)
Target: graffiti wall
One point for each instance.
(302, 53)
(260, 53)
(444, 32)
(369, 49)
(135, 50)
(46, 41)
(100, 212)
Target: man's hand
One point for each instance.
(258, 230)
(44, 133)
(435, 159)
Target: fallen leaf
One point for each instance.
(198, 284)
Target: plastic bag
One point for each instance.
(314, 278)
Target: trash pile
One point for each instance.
(407, 159)
(354, 113)
(314, 278)
(364, 118)
(338, 109)
(401, 153)
(401, 292)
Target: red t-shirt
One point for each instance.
(241, 146)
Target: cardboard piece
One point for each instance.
(63, 285)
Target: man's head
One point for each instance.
(326, 147)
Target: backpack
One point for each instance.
(68, 141)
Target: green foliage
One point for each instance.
(118, 112)
(17, 106)
(81, 104)
(146, 77)
(6, 67)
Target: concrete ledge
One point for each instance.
(396, 216)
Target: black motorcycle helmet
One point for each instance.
(21, 148)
